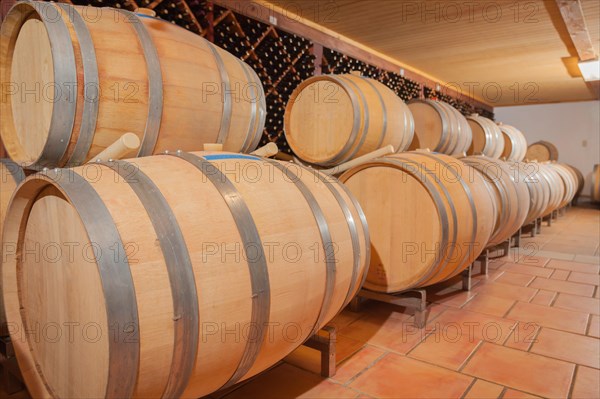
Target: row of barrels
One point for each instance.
(169, 275)
(173, 272)
(332, 119)
(143, 256)
(430, 215)
(89, 101)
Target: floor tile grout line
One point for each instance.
(504, 389)
(512, 331)
(505, 315)
(515, 388)
(364, 370)
(427, 335)
(554, 299)
(589, 325)
(573, 377)
(468, 388)
(475, 350)
(534, 340)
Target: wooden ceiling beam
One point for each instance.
(572, 14)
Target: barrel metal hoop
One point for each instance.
(490, 145)
(262, 111)
(384, 117)
(253, 111)
(448, 110)
(363, 221)
(366, 118)
(65, 78)
(351, 227)
(423, 178)
(257, 264)
(116, 279)
(226, 90)
(355, 119)
(409, 129)
(155, 84)
(468, 134)
(471, 203)
(499, 183)
(499, 147)
(15, 171)
(328, 248)
(513, 142)
(179, 268)
(91, 99)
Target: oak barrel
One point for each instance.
(186, 272)
(487, 137)
(596, 183)
(512, 195)
(428, 217)
(555, 185)
(439, 127)
(580, 181)
(539, 189)
(77, 78)
(568, 179)
(542, 151)
(331, 119)
(515, 144)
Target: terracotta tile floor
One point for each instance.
(528, 329)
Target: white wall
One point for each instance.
(566, 125)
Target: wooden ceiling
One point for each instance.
(507, 52)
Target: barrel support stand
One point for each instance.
(539, 225)
(530, 228)
(410, 299)
(10, 377)
(467, 274)
(325, 345)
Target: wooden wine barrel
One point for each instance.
(515, 144)
(11, 175)
(187, 272)
(555, 186)
(539, 189)
(331, 119)
(568, 179)
(461, 130)
(439, 127)
(466, 135)
(580, 181)
(542, 151)
(511, 192)
(487, 137)
(97, 73)
(596, 183)
(428, 217)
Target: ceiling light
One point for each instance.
(590, 70)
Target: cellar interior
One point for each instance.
(299, 199)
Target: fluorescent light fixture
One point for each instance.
(590, 70)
